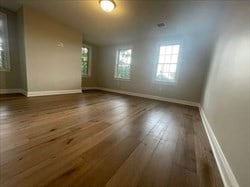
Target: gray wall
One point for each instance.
(194, 58)
(48, 66)
(226, 93)
(11, 79)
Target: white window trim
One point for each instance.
(90, 60)
(117, 58)
(6, 44)
(170, 42)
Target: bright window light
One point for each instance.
(123, 64)
(4, 44)
(167, 63)
(86, 61)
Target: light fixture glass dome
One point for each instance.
(107, 5)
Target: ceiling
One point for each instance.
(131, 19)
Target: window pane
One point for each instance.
(123, 64)
(1, 54)
(166, 68)
(84, 68)
(1, 48)
(123, 71)
(162, 59)
(171, 76)
(172, 68)
(163, 68)
(162, 50)
(169, 49)
(167, 64)
(85, 61)
(174, 58)
(85, 50)
(162, 77)
(168, 59)
(125, 56)
(4, 45)
(176, 49)
(1, 59)
(159, 69)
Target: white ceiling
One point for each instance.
(131, 20)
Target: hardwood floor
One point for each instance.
(103, 139)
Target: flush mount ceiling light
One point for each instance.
(107, 5)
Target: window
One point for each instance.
(123, 64)
(85, 60)
(4, 44)
(167, 63)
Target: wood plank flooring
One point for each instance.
(100, 139)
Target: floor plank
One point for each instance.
(97, 139)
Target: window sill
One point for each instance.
(120, 79)
(165, 82)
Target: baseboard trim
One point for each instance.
(12, 91)
(24, 92)
(59, 92)
(171, 100)
(226, 172)
(56, 92)
(9, 91)
(90, 88)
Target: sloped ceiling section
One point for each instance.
(131, 20)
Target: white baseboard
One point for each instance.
(226, 172)
(56, 92)
(38, 93)
(9, 91)
(59, 92)
(183, 102)
(12, 91)
(24, 92)
(90, 88)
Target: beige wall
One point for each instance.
(195, 55)
(226, 94)
(50, 67)
(11, 79)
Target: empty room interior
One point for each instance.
(124, 93)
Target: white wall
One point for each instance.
(226, 93)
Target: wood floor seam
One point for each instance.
(97, 139)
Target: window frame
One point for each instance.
(118, 49)
(178, 64)
(6, 64)
(90, 60)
